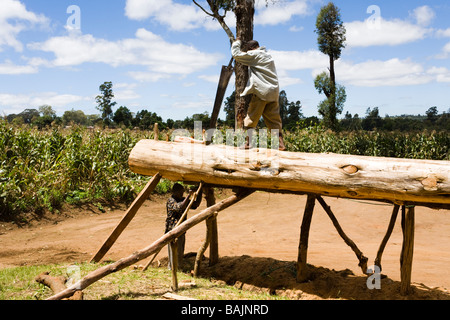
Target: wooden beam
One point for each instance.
(399, 181)
(302, 268)
(154, 247)
(406, 258)
(129, 215)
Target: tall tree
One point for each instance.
(334, 103)
(105, 103)
(331, 40)
(244, 11)
(123, 116)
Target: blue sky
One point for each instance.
(165, 55)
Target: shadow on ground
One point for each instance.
(275, 276)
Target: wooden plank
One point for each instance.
(129, 215)
(151, 249)
(172, 296)
(399, 181)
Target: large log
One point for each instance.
(400, 181)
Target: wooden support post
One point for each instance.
(362, 259)
(174, 266)
(387, 236)
(154, 247)
(214, 242)
(129, 215)
(156, 132)
(406, 258)
(302, 268)
(204, 246)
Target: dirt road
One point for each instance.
(263, 225)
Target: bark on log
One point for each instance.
(154, 247)
(57, 284)
(399, 181)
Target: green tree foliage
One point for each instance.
(432, 114)
(74, 117)
(123, 116)
(145, 120)
(230, 109)
(290, 112)
(334, 103)
(105, 103)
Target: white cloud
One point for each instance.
(210, 78)
(443, 33)
(179, 17)
(161, 58)
(126, 91)
(16, 103)
(14, 18)
(393, 72)
(184, 17)
(296, 29)
(299, 60)
(10, 68)
(287, 61)
(279, 12)
(442, 74)
(423, 15)
(383, 32)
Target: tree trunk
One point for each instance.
(332, 112)
(392, 180)
(244, 11)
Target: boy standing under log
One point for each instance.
(175, 206)
(262, 84)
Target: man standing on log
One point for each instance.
(262, 84)
(176, 205)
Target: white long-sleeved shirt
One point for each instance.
(263, 78)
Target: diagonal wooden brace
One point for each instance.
(362, 259)
(129, 215)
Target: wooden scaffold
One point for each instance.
(402, 183)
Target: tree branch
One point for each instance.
(216, 15)
(209, 14)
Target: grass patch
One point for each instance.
(128, 284)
